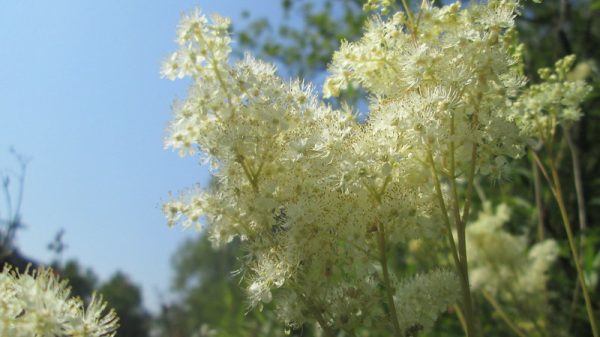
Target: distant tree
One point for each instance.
(305, 48)
(83, 282)
(126, 298)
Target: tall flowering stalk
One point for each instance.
(540, 111)
(321, 200)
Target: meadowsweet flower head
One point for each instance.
(383, 5)
(501, 262)
(448, 78)
(301, 184)
(315, 196)
(555, 101)
(421, 299)
(37, 303)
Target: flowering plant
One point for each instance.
(37, 303)
(320, 199)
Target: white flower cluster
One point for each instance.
(423, 298)
(308, 189)
(320, 199)
(501, 263)
(555, 101)
(37, 303)
(447, 78)
(383, 5)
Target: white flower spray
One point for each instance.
(37, 303)
(321, 200)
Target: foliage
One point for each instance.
(126, 298)
(306, 50)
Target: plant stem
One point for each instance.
(386, 279)
(248, 172)
(461, 266)
(455, 207)
(461, 317)
(567, 224)
(537, 189)
(503, 314)
(578, 180)
(409, 15)
(471, 178)
(461, 223)
(555, 186)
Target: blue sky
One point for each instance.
(80, 94)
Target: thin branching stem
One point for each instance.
(578, 181)
(411, 20)
(442, 205)
(472, 168)
(573, 247)
(386, 279)
(249, 175)
(461, 317)
(455, 208)
(555, 186)
(492, 301)
(461, 266)
(539, 205)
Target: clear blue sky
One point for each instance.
(80, 93)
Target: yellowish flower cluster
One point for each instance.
(37, 303)
(553, 102)
(306, 187)
(320, 199)
(502, 263)
(430, 76)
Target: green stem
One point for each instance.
(459, 223)
(573, 248)
(409, 14)
(455, 207)
(459, 256)
(472, 168)
(503, 314)
(555, 186)
(223, 85)
(461, 317)
(461, 226)
(248, 172)
(578, 181)
(525, 306)
(442, 204)
(537, 189)
(386, 279)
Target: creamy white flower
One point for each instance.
(37, 303)
(553, 102)
(501, 262)
(311, 192)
